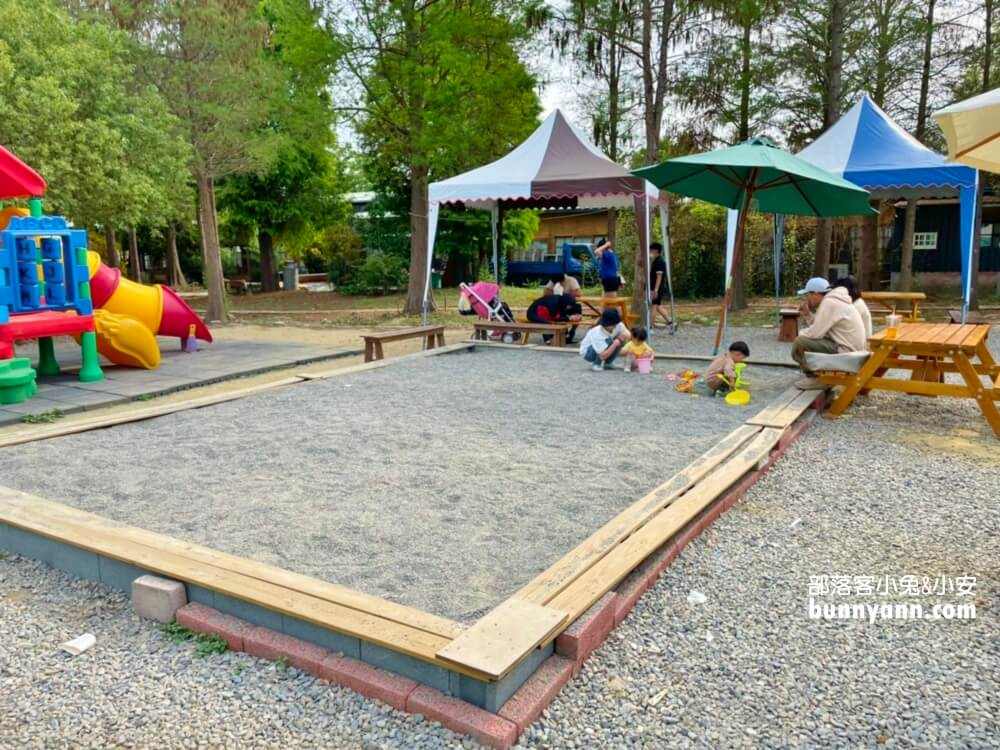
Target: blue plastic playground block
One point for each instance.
(30, 298)
(62, 247)
(52, 248)
(27, 274)
(53, 272)
(55, 295)
(26, 249)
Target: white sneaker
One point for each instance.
(597, 367)
(628, 368)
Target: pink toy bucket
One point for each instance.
(645, 365)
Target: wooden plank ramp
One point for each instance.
(90, 522)
(575, 563)
(40, 516)
(100, 421)
(579, 596)
(494, 644)
(780, 414)
(354, 369)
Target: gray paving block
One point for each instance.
(393, 661)
(119, 575)
(266, 618)
(324, 637)
(35, 405)
(492, 695)
(6, 417)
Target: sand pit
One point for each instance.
(444, 483)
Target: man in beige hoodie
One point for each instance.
(834, 328)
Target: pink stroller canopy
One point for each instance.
(482, 295)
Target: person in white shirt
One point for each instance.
(859, 304)
(604, 341)
(562, 283)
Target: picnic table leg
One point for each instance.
(429, 342)
(978, 391)
(986, 357)
(368, 350)
(856, 384)
(440, 338)
(561, 337)
(379, 354)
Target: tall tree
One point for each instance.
(821, 36)
(731, 79)
(217, 80)
(298, 194)
(71, 107)
(441, 90)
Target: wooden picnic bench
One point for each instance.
(928, 351)
(597, 305)
(524, 330)
(432, 335)
(894, 300)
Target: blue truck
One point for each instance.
(573, 259)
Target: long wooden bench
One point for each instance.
(524, 330)
(433, 336)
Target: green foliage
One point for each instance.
(281, 663)
(205, 644)
(340, 247)
(446, 90)
(73, 108)
(378, 274)
(45, 417)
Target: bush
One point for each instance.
(378, 274)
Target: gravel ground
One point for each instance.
(899, 486)
(443, 483)
(697, 339)
(919, 499)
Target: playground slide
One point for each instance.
(128, 316)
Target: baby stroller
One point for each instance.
(483, 299)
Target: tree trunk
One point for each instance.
(868, 257)
(925, 73)
(211, 254)
(906, 252)
(175, 276)
(134, 266)
(612, 226)
(109, 239)
(268, 266)
(832, 94)
(418, 243)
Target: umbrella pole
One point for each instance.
(737, 253)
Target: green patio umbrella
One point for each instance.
(760, 174)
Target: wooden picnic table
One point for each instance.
(895, 300)
(598, 304)
(928, 351)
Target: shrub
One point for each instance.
(378, 274)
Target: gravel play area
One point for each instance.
(905, 487)
(445, 483)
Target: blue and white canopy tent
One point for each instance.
(867, 148)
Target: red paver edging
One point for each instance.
(462, 717)
(502, 729)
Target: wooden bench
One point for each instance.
(891, 301)
(238, 284)
(524, 330)
(433, 336)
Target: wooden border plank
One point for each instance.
(21, 510)
(580, 559)
(613, 567)
(136, 415)
(323, 374)
(791, 411)
(321, 589)
(774, 409)
(503, 637)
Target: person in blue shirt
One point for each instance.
(611, 280)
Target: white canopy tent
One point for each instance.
(556, 166)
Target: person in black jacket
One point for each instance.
(556, 308)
